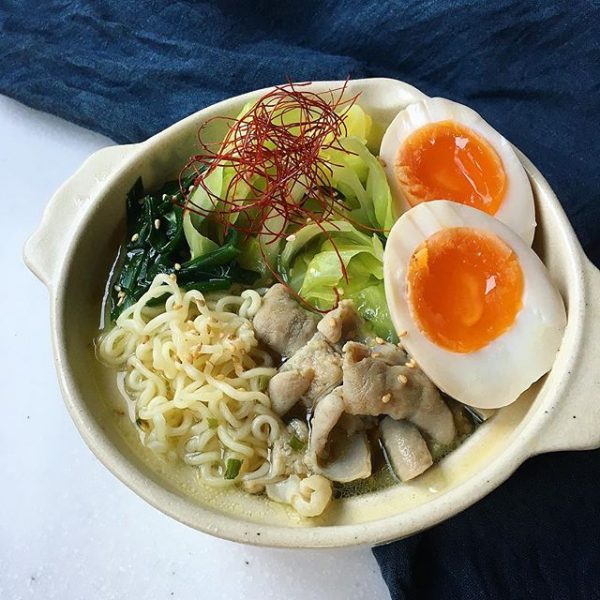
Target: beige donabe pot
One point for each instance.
(71, 253)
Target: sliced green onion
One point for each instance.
(296, 443)
(212, 422)
(232, 468)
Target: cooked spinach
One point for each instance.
(156, 244)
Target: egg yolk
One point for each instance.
(448, 161)
(465, 288)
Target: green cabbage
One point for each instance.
(311, 266)
(359, 176)
(310, 261)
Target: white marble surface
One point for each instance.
(68, 528)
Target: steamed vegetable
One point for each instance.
(310, 261)
(312, 258)
(316, 273)
(157, 244)
(360, 178)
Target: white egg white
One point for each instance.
(517, 209)
(497, 374)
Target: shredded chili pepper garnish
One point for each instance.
(281, 175)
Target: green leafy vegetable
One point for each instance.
(315, 272)
(157, 243)
(212, 422)
(232, 468)
(372, 306)
(310, 261)
(359, 176)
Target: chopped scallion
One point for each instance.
(296, 443)
(232, 468)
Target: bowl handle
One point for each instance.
(44, 250)
(574, 423)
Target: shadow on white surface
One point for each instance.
(69, 529)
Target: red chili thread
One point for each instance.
(273, 158)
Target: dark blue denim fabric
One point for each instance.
(532, 69)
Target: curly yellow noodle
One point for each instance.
(197, 378)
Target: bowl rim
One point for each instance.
(374, 532)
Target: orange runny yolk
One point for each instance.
(448, 161)
(465, 288)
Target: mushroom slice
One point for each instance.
(405, 448)
(352, 462)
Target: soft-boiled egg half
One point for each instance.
(437, 149)
(472, 302)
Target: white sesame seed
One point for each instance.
(403, 379)
(177, 266)
(135, 237)
(386, 398)
(156, 223)
(340, 291)
(117, 288)
(379, 340)
(173, 277)
(290, 238)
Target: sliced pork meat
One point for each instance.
(287, 387)
(390, 354)
(281, 323)
(372, 386)
(341, 323)
(326, 364)
(326, 415)
(405, 448)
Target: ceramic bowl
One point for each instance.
(72, 251)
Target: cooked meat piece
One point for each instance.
(374, 387)
(405, 448)
(341, 323)
(287, 387)
(281, 323)
(390, 354)
(327, 413)
(326, 363)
